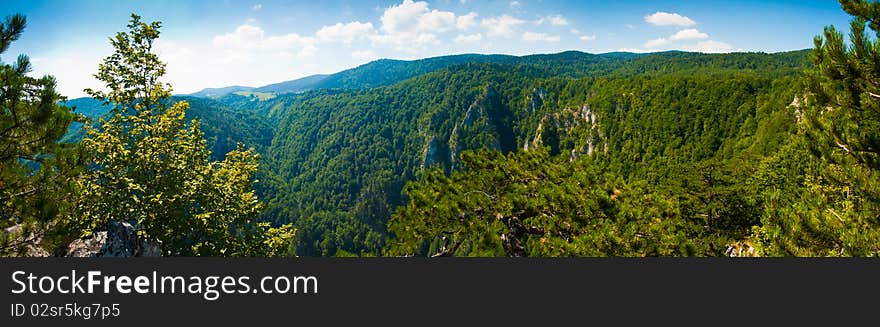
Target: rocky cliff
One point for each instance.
(575, 130)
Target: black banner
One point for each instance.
(415, 291)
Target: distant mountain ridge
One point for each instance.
(383, 72)
(292, 86)
(219, 91)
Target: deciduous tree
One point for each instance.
(151, 168)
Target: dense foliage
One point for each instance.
(567, 154)
(339, 159)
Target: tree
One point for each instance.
(150, 168)
(531, 204)
(837, 212)
(34, 167)
(845, 90)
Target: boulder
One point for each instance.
(119, 240)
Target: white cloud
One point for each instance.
(661, 18)
(461, 38)
(411, 25)
(247, 41)
(685, 34)
(574, 31)
(364, 55)
(410, 16)
(532, 36)
(515, 4)
(587, 38)
(257, 7)
(245, 36)
(557, 20)
(503, 26)
(689, 34)
(249, 37)
(656, 43)
(710, 46)
(402, 28)
(345, 33)
(467, 21)
(404, 17)
(437, 21)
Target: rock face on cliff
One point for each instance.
(119, 240)
(571, 129)
(487, 123)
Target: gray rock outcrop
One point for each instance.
(119, 240)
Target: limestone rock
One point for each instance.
(581, 125)
(29, 242)
(119, 240)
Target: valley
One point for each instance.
(335, 156)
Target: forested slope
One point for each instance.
(685, 129)
(340, 158)
(224, 125)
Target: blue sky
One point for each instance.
(222, 43)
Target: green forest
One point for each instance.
(568, 154)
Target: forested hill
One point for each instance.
(653, 154)
(340, 158)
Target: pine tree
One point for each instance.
(531, 204)
(150, 168)
(845, 90)
(837, 212)
(34, 167)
